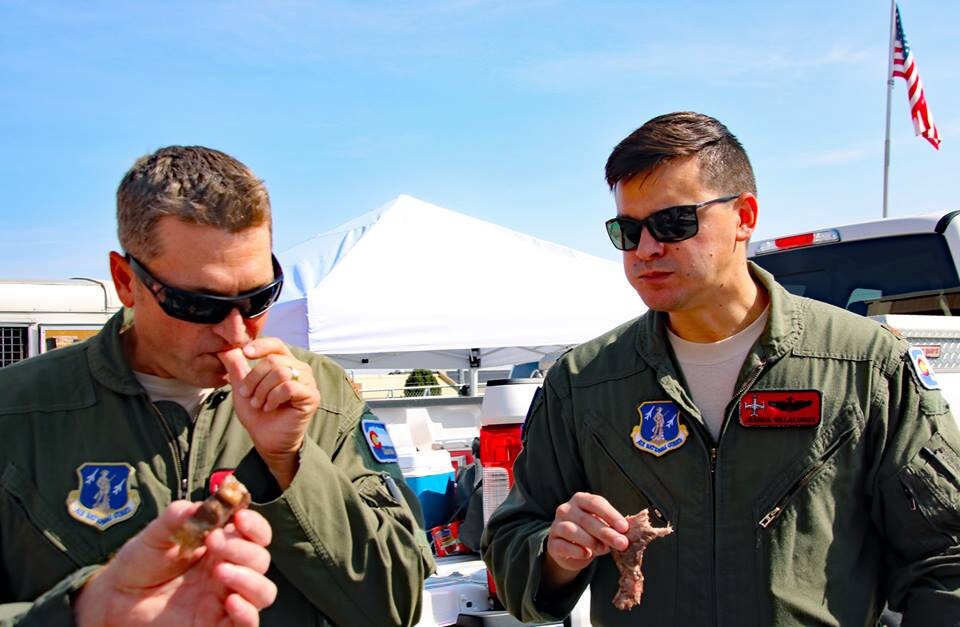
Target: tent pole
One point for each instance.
(474, 382)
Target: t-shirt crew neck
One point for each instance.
(711, 368)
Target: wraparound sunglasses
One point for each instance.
(209, 308)
(673, 224)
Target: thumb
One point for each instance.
(236, 365)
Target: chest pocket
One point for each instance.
(39, 545)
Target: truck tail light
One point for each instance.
(802, 240)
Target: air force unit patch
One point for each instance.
(105, 496)
(659, 430)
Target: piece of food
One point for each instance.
(216, 512)
(628, 562)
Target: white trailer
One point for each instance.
(37, 316)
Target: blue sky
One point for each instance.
(503, 110)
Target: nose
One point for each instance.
(648, 247)
(233, 329)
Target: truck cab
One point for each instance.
(902, 272)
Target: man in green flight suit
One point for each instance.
(109, 445)
(802, 454)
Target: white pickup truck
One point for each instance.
(902, 272)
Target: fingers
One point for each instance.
(236, 365)
(253, 526)
(251, 586)
(584, 527)
(158, 535)
(277, 379)
(241, 612)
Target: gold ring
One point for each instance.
(294, 374)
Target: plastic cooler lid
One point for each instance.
(419, 463)
(506, 401)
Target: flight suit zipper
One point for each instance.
(179, 458)
(772, 515)
(714, 456)
(656, 510)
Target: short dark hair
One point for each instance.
(724, 162)
(192, 183)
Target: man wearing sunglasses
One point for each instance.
(808, 471)
(111, 443)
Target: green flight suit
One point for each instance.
(344, 551)
(801, 525)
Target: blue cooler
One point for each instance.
(430, 475)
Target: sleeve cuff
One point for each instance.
(54, 608)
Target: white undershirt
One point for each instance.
(163, 389)
(711, 369)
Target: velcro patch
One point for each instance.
(378, 439)
(923, 369)
(780, 408)
(216, 478)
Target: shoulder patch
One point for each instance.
(923, 369)
(659, 430)
(378, 439)
(105, 495)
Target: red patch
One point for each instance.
(216, 478)
(789, 408)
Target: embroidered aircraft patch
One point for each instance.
(104, 496)
(780, 408)
(659, 430)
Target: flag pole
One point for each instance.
(886, 141)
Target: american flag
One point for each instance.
(905, 67)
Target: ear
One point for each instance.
(122, 278)
(747, 210)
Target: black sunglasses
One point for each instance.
(673, 224)
(209, 308)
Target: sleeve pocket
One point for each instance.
(931, 483)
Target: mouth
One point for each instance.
(654, 276)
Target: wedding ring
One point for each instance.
(294, 374)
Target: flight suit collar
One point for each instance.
(784, 327)
(108, 364)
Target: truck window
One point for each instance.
(849, 273)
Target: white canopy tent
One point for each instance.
(414, 285)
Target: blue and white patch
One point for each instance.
(659, 430)
(105, 496)
(378, 439)
(923, 369)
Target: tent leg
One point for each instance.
(474, 382)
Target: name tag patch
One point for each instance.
(780, 408)
(378, 439)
